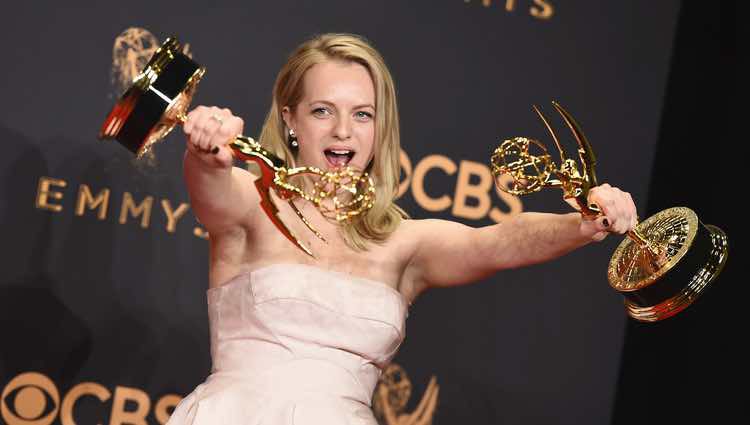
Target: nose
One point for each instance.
(343, 129)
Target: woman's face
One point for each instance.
(335, 119)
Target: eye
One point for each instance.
(363, 115)
(321, 112)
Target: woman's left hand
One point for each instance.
(618, 213)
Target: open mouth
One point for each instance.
(339, 157)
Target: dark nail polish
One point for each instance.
(215, 150)
(605, 222)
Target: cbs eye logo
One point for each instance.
(30, 399)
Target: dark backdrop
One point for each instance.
(104, 303)
(692, 367)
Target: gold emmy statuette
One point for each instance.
(666, 262)
(158, 100)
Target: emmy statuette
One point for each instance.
(663, 265)
(157, 101)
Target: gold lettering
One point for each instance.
(120, 416)
(80, 390)
(199, 232)
(543, 11)
(427, 163)
(164, 403)
(173, 216)
(480, 191)
(513, 202)
(43, 193)
(510, 5)
(405, 163)
(87, 200)
(144, 209)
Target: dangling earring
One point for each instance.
(293, 143)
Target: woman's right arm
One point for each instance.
(222, 196)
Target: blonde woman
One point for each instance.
(297, 340)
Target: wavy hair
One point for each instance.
(384, 216)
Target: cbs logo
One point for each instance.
(31, 398)
(471, 197)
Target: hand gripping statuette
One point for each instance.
(663, 265)
(157, 101)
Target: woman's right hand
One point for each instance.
(208, 131)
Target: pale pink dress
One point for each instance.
(295, 344)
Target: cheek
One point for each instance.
(368, 141)
(309, 134)
(367, 136)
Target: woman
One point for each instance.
(302, 340)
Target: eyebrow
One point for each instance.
(364, 105)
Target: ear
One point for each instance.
(288, 117)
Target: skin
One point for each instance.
(337, 110)
(334, 113)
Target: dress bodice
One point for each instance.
(286, 333)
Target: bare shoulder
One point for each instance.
(409, 231)
(416, 237)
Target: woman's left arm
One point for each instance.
(448, 253)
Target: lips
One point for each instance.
(338, 157)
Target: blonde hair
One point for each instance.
(384, 217)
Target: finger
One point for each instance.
(633, 212)
(596, 198)
(234, 126)
(192, 118)
(625, 211)
(193, 126)
(597, 191)
(224, 133)
(187, 126)
(210, 132)
(227, 123)
(222, 156)
(205, 129)
(603, 224)
(611, 211)
(625, 222)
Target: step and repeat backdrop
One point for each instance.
(104, 267)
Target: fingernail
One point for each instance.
(605, 222)
(215, 150)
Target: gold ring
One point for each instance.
(217, 118)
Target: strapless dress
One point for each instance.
(295, 344)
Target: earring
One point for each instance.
(293, 143)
